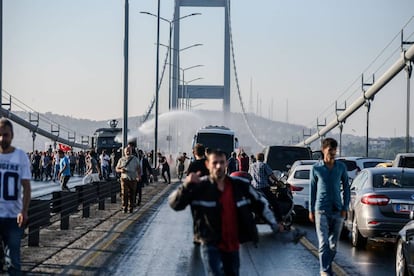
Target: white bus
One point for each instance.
(217, 137)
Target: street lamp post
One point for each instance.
(157, 88)
(187, 98)
(126, 50)
(184, 86)
(171, 23)
(183, 72)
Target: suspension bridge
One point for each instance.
(181, 92)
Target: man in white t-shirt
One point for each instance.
(15, 175)
(104, 160)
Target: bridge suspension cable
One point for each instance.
(245, 118)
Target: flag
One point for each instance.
(65, 148)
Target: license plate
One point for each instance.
(403, 208)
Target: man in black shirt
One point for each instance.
(199, 164)
(162, 161)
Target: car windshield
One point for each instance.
(408, 162)
(394, 180)
(302, 174)
(371, 164)
(350, 165)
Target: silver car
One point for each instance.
(381, 201)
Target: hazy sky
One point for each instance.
(66, 57)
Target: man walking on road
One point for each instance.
(327, 205)
(64, 173)
(130, 171)
(222, 211)
(15, 174)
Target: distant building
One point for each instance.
(379, 143)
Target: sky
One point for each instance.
(294, 58)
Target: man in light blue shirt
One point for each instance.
(64, 173)
(327, 203)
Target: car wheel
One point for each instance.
(357, 239)
(400, 262)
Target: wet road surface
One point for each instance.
(161, 244)
(378, 258)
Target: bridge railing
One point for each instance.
(45, 211)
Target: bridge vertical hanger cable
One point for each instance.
(237, 80)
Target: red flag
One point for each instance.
(65, 148)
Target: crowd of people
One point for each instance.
(222, 205)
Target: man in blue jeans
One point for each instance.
(64, 173)
(327, 204)
(222, 212)
(15, 174)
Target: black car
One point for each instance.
(404, 256)
(281, 158)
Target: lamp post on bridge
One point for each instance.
(187, 102)
(183, 72)
(171, 24)
(34, 139)
(170, 64)
(184, 86)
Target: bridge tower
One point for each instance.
(200, 91)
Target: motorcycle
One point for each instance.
(283, 196)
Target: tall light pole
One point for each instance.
(126, 39)
(170, 65)
(187, 98)
(408, 71)
(171, 24)
(183, 77)
(157, 73)
(1, 53)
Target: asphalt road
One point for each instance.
(161, 244)
(41, 188)
(378, 258)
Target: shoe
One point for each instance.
(130, 210)
(139, 203)
(124, 209)
(297, 235)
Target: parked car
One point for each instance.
(381, 200)
(355, 164)
(404, 254)
(301, 162)
(384, 165)
(281, 158)
(404, 160)
(299, 181)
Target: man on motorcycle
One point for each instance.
(261, 174)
